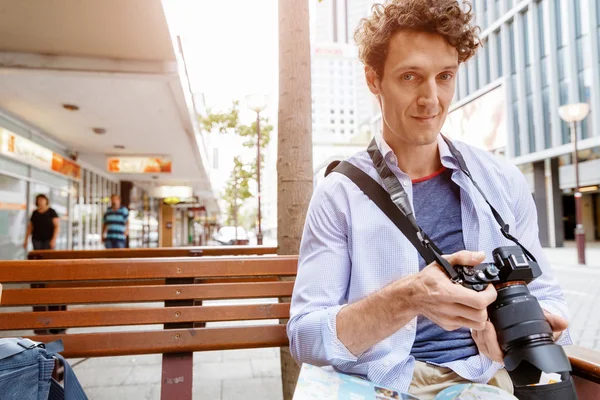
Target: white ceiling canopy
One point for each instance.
(117, 62)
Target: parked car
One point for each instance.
(226, 236)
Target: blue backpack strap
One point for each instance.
(72, 389)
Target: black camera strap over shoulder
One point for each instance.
(394, 203)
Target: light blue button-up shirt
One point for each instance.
(350, 249)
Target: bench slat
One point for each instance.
(141, 316)
(172, 341)
(134, 294)
(145, 268)
(153, 252)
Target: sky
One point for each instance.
(231, 49)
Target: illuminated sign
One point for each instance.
(26, 151)
(139, 165)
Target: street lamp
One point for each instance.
(257, 103)
(573, 113)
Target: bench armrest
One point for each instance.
(585, 362)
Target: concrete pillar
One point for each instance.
(166, 225)
(539, 196)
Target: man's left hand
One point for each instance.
(53, 244)
(487, 341)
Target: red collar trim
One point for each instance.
(425, 178)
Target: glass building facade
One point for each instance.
(546, 54)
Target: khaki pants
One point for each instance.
(428, 380)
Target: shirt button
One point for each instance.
(393, 160)
(405, 182)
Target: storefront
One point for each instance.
(31, 165)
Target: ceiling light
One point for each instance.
(588, 188)
(70, 107)
(99, 131)
(119, 146)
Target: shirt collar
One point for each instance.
(446, 157)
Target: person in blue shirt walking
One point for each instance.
(116, 224)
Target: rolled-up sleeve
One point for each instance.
(320, 291)
(545, 288)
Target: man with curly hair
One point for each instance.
(365, 302)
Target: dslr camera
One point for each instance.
(524, 334)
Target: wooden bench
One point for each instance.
(178, 289)
(152, 252)
(178, 338)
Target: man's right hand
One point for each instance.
(447, 304)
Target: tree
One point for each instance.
(237, 188)
(294, 160)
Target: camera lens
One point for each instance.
(524, 334)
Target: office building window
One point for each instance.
(562, 72)
(511, 47)
(564, 99)
(544, 68)
(547, 117)
(585, 83)
(530, 126)
(525, 38)
(582, 25)
(515, 131)
(499, 54)
(542, 40)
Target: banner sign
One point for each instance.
(26, 151)
(139, 165)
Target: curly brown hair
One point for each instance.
(445, 17)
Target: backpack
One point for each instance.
(26, 372)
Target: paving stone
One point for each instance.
(113, 376)
(252, 389)
(248, 354)
(144, 374)
(207, 389)
(127, 392)
(266, 368)
(223, 370)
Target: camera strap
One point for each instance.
(394, 203)
(504, 227)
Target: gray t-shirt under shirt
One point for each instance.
(436, 201)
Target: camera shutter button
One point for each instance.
(481, 276)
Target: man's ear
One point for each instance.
(373, 81)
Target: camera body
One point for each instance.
(510, 265)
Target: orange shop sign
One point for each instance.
(139, 165)
(26, 151)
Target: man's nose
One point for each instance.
(428, 94)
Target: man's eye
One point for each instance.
(408, 77)
(446, 77)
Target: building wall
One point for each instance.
(548, 52)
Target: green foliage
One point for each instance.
(237, 188)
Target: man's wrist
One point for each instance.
(402, 298)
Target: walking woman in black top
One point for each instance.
(43, 226)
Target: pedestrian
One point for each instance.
(365, 301)
(44, 225)
(116, 224)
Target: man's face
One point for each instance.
(417, 87)
(115, 201)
